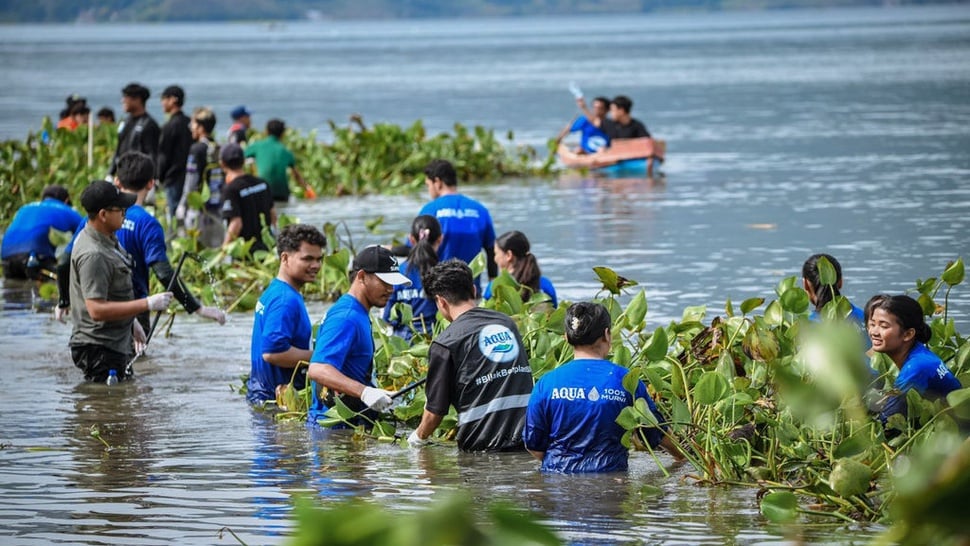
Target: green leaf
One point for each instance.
(850, 477)
(927, 303)
(627, 418)
(959, 400)
(644, 415)
(679, 414)
(636, 310)
(774, 314)
(196, 200)
(780, 506)
(608, 278)
(711, 388)
(826, 272)
(853, 445)
(751, 304)
(953, 274)
(630, 381)
(656, 348)
(374, 224)
(795, 300)
(761, 344)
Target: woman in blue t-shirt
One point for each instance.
(512, 254)
(897, 329)
(820, 294)
(570, 422)
(425, 239)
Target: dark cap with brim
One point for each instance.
(232, 153)
(102, 194)
(239, 111)
(379, 261)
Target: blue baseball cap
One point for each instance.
(239, 112)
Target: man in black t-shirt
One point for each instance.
(620, 124)
(247, 203)
(477, 364)
(138, 131)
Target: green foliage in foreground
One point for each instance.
(382, 158)
(455, 520)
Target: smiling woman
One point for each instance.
(898, 330)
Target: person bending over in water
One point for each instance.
(425, 238)
(898, 330)
(512, 254)
(571, 418)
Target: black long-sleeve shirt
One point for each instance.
(173, 150)
(139, 133)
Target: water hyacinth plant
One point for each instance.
(383, 158)
(766, 400)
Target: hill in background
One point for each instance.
(51, 11)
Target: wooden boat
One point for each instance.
(623, 156)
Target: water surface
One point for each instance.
(788, 133)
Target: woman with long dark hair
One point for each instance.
(513, 254)
(425, 239)
(820, 294)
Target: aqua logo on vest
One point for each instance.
(497, 343)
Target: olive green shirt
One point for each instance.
(100, 270)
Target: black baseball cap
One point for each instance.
(102, 194)
(232, 153)
(379, 261)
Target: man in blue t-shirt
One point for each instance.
(281, 329)
(343, 357)
(27, 249)
(571, 419)
(466, 224)
(141, 235)
(592, 138)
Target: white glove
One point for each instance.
(415, 441)
(160, 301)
(376, 399)
(138, 333)
(180, 212)
(212, 313)
(61, 313)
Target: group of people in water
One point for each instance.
(477, 364)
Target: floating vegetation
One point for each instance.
(382, 158)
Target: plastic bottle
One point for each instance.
(112, 378)
(575, 90)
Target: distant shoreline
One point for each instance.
(252, 11)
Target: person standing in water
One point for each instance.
(425, 238)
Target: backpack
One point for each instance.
(213, 175)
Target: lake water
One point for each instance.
(788, 133)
